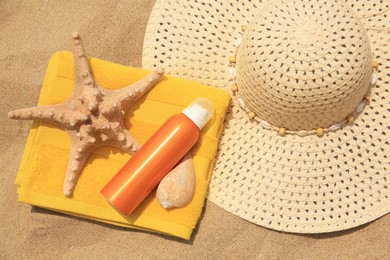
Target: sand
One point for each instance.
(31, 31)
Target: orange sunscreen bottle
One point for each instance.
(146, 168)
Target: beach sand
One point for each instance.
(30, 32)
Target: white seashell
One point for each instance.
(238, 42)
(241, 102)
(177, 188)
(360, 107)
(232, 73)
(265, 124)
(302, 133)
(374, 78)
(334, 127)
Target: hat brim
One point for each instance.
(292, 183)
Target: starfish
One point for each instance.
(93, 116)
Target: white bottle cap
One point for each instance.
(200, 111)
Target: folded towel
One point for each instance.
(43, 166)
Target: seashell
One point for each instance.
(177, 188)
(374, 78)
(238, 41)
(232, 73)
(360, 107)
(265, 124)
(241, 102)
(302, 133)
(334, 127)
(372, 47)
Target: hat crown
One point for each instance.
(304, 64)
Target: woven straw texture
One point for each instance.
(302, 70)
(291, 183)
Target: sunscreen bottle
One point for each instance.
(148, 166)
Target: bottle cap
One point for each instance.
(200, 111)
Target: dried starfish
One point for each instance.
(93, 116)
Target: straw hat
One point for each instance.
(306, 144)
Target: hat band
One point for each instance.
(350, 119)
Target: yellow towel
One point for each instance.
(43, 166)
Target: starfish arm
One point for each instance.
(92, 116)
(126, 142)
(79, 153)
(82, 70)
(50, 114)
(126, 96)
(57, 114)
